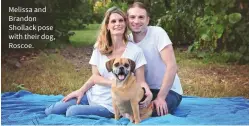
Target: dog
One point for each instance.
(126, 93)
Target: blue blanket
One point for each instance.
(23, 107)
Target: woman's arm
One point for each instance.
(98, 79)
(95, 78)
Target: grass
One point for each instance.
(212, 79)
(46, 74)
(85, 37)
(55, 73)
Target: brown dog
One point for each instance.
(126, 93)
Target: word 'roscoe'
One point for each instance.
(20, 46)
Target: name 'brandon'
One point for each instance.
(20, 9)
(26, 18)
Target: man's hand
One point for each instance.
(161, 106)
(75, 94)
(147, 100)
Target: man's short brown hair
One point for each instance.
(139, 5)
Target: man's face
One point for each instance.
(137, 19)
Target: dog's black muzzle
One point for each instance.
(121, 73)
(121, 69)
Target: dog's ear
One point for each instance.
(109, 65)
(133, 65)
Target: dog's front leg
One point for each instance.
(135, 109)
(116, 110)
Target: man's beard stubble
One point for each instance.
(143, 31)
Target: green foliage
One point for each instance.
(214, 23)
(68, 15)
(209, 25)
(240, 40)
(157, 9)
(179, 20)
(234, 18)
(122, 5)
(221, 57)
(100, 7)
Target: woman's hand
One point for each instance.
(147, 100)
(75, 94)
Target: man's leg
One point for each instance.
(89, 110)
(173, 99)
(61, 107)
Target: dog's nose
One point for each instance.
(121, 68)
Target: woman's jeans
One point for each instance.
(173, 99)
(71, 109)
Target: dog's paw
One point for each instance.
(117, 117)
(132, 120)
(137, 122)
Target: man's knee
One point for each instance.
(173, 100)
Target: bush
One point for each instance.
(210, 26)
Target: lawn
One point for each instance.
(85, 37)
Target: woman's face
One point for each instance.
(116, 24)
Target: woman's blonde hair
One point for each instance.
(104, 41)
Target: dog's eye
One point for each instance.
(116, 64)
(126, 65)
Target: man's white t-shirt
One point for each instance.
(101, 95)
(154, 41)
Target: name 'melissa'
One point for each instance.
(23, 9)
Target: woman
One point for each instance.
(94, 97)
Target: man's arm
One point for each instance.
(168, 57)
(141, 80)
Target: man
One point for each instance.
(161, 68)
